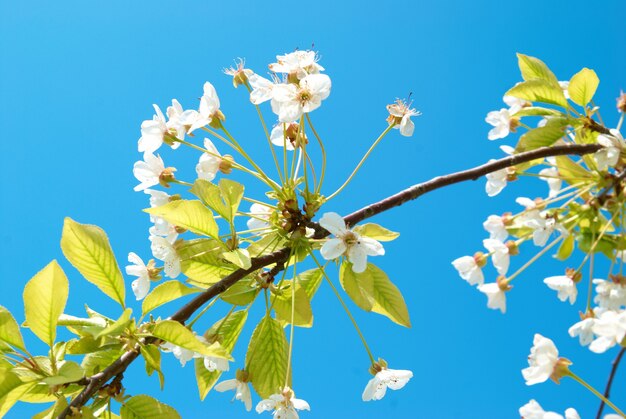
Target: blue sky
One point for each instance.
(77, 78)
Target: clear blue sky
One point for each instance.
(77, 78)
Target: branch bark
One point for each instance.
(119, 366)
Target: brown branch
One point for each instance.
(281, 256)
(609, 383)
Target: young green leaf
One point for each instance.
(238, 257)
(45, 296)
(152, 355)
(174, 332)
(566, 248)
(582, 86)
(225, 331)
(534, 68)
(376, 232)
(165, 293)
(117, 327)
(537, 111)
(145, 407)
(201, 260)
(242, 293)
(88, 250)
(542, 136)
(9, 330)
(11, 390)
(68, 372)
(266, 359)
(97, 361)
(571, 172)
(190, 215)
(373, 291)
(282, 302)
(223, 199)
(310, 281)
(538, 90)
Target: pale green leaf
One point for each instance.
(238, 257)
(225, 331)
(87, 248)
(570, 171)
(201, 260)
(190, 215)
(542, 136)
(223, 199)
(118, 326)
(164, 293)
(146, 407)
(97, 361)
(582, 86)
(68, 372)
(11, 390)
(537, 111)
(566, 248)
(45, 296)
(534, 68)
(174, 332)
(376, 232)
(310, 280)
(152, 355)
(373, 291)
(241, 293)
(9, 330)
(266, 359)
(538, 90)
(282, 301)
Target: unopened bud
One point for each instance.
(167, 176)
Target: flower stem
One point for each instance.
(323, 151)
(345, 307)
(204, 310)
(358, 166)
(534, 258)
(293, 315)
(597, 393)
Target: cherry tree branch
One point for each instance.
(609, 383)
(97, 381)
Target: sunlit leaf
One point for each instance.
(582, 86)
(190, 215)
(266, 359)
(376, 232)
(164, 293)
(9, 330)
(146, 407)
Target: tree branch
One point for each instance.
(97, 381)
(609, 383)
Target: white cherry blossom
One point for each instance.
(542, 360)
(283, 405)
(183, 355)
(564, 286)
(385, 378)
(609, 155)
(161, 227)
(469, 270)
(209, 164)
(291, 101)
(400, 114)
(496, 228)
(610, 295)
(533, 410)
(212, 363)
(148, 171)
(152, 132)
(300, 63)
(496, 296)
(610, 329)
(584, 330)
(543, 226)
(347, 242)
(259, 211)
(503, 120)
(242, 391)
(277, 136)
(499, 254)
(262, 89)
(551, 175)
(496, 181)
(163, 249)
(141, 285)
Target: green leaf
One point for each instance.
(54, 410)
(223, 199)
(68, 372)
(152, 355)
(84, 345)
(190, 215)
(566, 248)
(164, 293)
(116, 328)
(87, 248)
(241, 293)
(582, 86)
(570, 171)
(282, 302)
(11, 390)
(9, 330)
(534, 68)
(268, 244)
(538, 90)
(145, 407)
(45, 296)
(267, 357)
(226, 331)
(174, 332)
(373, 291)
(201, 260)
(238, 257)
(310, 281)
(542, 136)
(40, 393)
(606, 245)
(376, 232)
(537, 111)
(97, 361)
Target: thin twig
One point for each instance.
(184, 313)
(609, 383)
